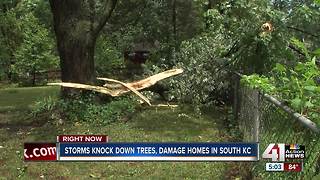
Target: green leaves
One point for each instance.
(203, 79)
(280, 68)
(310, 88)
(309, 104)
(235, 31)
(258, 82)
(317, 51)
(296, 103)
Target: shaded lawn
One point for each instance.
(149, 125)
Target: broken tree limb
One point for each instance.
(165, 105)
(119, 87)
(130, 88)
(144, 83)
(99, 89)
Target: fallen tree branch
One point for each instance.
(99, 89)
(144, 83)
(165, 105)
(130, 88)
(121, 87)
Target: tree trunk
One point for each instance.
(76, 54)
(77, 26)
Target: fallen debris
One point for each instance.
(165, 105)
(130, 88)
(118, 88)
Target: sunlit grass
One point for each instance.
(22, 98)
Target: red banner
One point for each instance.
(40, 152)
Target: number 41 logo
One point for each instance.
(274, 152)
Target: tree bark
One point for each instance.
(77, 26)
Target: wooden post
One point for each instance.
(236, 96)
(256, 115)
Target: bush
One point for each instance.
(86, 109)
(45, 105)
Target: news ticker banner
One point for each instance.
(157, 152)
(97, 148)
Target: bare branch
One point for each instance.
(303, 31)
(106, 13)
(296, 50)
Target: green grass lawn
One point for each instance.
(148, 125)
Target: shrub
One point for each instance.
(45, 105)
(86, 109)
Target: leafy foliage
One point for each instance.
(298, 85)
(204, 76)
(108, 58)
(258, 82)
(35, 52)
(27, 46)
(234, 41)
(46, 105)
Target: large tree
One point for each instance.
(77, 24)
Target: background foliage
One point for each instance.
(27, 42)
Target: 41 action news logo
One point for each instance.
(281, 152)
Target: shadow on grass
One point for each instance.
(15, 119)
(180, 123)
(15, 113)
(21, 122)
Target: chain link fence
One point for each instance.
(263, 119)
